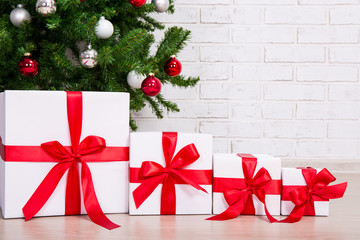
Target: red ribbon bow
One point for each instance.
(152, 174)
(317, 189)
(240, 199)
(68, 160)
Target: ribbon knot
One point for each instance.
(250, 189)
(153, 174)
(76, 156)
(240, 200)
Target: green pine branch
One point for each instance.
(56, 41)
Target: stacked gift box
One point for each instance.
(66, 153)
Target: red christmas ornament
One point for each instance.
(137, 3)
(151, 86)
(173, 66)
(28, 66)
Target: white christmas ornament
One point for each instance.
(88, 57)
(45, 7)
(104, 28)
(135, 79)
(161, 5)
(19, 15)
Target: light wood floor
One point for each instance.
(343, 223)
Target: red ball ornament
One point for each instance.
(151, 86)
(173, 66)
(28, 66)
(137, 3)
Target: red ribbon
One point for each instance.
(68, 161)
(316, 189)
(152, 174)
(240, 199)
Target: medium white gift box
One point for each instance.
(293, 177)
(148, 147)
(31, 118)
(229, 174)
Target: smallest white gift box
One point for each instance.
(229, 174)
(292, 178)
(149, 147)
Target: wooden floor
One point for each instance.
(343, 223)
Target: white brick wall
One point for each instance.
(277, 76)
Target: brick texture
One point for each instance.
(279, 77)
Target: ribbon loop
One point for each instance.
(186, 156)
(91, 144)
(331, 192)
(56, 150)
(150, 169)
(299, 196)
(323, 178)
(234, 195)
(261, 178)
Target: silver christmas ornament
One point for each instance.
(135, 79)
(19, 15)
(161, 5)
(88, 57)
(45, 7)
(104, 28)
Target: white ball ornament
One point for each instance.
(104, 28)
(19, 15)
(45, 7)
(88, 58)
(161, 5)
(135, 79)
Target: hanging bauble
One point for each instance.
(104, 28)
(28, 66)
(173, 66)
(45, 7)
(88, 58)
(137, 3)
(161, 5)
(19, 15)
(135, 79)
(151, 86)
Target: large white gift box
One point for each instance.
(229, 176)
(149, 173)
(31, 118)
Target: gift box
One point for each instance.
(243, 183)
(170, 173)
(57, 145)
(305, 192)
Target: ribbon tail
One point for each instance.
(91, 202)
(249, 205)
(231, 212)
(309, 208)
(168, 197)
(269, 216)
(295, 215)
(260, 194)
(45, 190)
(142, 192)
(188, 180)
(73, 200)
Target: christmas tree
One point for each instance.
(56, 35)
